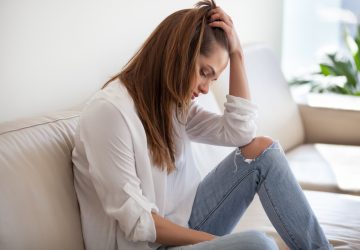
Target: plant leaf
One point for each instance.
(338, 89)
(298, 81)
(354, 47)
(344, 68)
(326, 69)
(356, 56)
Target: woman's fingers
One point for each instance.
(218, 18)
(219, 14)
(222, 25)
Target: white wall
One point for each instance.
(55, 54)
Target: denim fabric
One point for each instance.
(251, 240)
(225, 193)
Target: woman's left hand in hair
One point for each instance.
(218, 18)
(238, 84)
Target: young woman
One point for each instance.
(135, 178)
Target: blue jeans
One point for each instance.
(225, 193)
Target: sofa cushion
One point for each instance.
(327, 167)
(335, 212)
(38, 204)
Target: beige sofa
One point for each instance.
(38, 205)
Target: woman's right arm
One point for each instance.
(108, 145)
(171, 234)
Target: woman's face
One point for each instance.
(208, 69)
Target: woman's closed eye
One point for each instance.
(208, 72)
(206, 75)
(203, 73)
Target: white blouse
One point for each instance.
(116, 183)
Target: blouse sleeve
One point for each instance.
(236, 127)
(109, 149)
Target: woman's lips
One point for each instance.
(194, 95)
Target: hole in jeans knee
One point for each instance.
(255, 148)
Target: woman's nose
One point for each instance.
(204, 87)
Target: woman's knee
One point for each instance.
(256, 147)
(256, 240)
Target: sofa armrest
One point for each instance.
(330, 125)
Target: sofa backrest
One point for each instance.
(38, 204)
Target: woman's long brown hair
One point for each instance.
(159, 75)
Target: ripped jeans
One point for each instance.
(225, 193)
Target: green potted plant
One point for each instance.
(337, 74)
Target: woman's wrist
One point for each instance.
(171, 234)
(236, 53)
(206, 236)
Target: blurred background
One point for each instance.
(56, 54)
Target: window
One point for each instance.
(313, 27)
